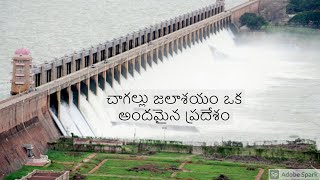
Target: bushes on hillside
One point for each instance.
(252, 21)
(306, 19)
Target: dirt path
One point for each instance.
(83, 161)
(180, 169)
(261, 171)
(181, 166)
(97, 166)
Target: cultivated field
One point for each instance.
(154, 166)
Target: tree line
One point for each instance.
(307, 12)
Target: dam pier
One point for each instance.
(26, 117)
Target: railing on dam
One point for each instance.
(58, 68)
(158, 43)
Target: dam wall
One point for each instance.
(23, 123)
(26, 119)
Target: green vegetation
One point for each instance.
(159, 165)
(307, 12)
(202, 171)
(74, 157)
(149, 159)
(297, 6)
(308, 18)
(252, 21)
(60, 161)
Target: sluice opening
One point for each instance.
(54, 103)
(93, 85)
(84, 89)
(75, 95)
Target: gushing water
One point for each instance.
(271, 110)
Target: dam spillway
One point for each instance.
(27, 118)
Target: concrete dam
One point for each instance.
(26, 117)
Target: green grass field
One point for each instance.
(116, 166)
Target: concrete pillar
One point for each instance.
(191, 18)
(145, 36)
(127, 42)
(106, 52)
(43, 76)
(161, 30)
(99, 53)
(167, 29)
(114, 47)
(73, 62)
(134, 40)
(127, 68)
(91, 56)
(120, 45)
(53, 71)
(64, 66)
(82, 63)
(59, 102)
(156, 31)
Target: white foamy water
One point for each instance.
(279, 101)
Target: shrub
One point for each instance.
(252, 21)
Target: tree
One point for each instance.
(252, 21)
(308, 12)
(296, 6)
(308, 18)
